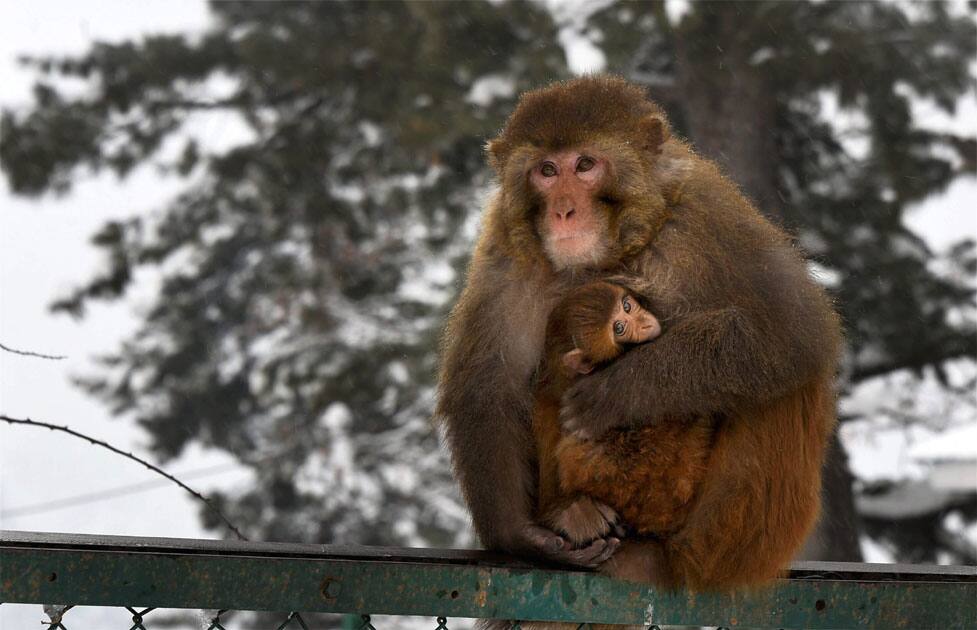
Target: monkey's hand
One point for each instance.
(595, 404)
(539, 541)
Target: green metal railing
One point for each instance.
(221, 575)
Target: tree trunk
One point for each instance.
(836, 535)
(729, 112)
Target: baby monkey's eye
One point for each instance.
(618, 328)
(548, 169)
(626, 302)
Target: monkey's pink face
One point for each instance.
(572, 226)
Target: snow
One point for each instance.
(676, 9)
(823, 275)
(489, 87)
(851, 125)
(583, 55)
(336, 417)
(957, 443)
(875, 552)
(943, 219)
(372, 133)
(905, 422)
(907, 425)
(956, 524)
(764, 54)
(432, 284)
(924, 109)
(903, 395)
(877, 454)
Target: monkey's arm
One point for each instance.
(484, 403)
(776, 339)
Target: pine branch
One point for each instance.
(862, 373)
(234, 102)
(155, 469)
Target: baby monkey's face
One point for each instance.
(630, 323)
(599, 340)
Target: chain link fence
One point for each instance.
(292, 620)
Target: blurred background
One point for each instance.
(244, 222)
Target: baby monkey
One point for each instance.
(647, 475)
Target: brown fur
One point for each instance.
(748, 338)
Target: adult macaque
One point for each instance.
(592, 185)
(647, 475)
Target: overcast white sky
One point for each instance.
(44, 252)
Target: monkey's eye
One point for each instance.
(618, 328)
(626, 303)
(584, 164)
(548, 169)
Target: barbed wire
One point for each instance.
(128, 455)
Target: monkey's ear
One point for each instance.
(576, 361)
(496, 150)
(653, 133)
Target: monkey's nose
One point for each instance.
(650, 328)
(565, 213)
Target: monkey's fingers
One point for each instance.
(607, 512)
(594, 554)
(544, 540)
(556, 548)
(612, 518)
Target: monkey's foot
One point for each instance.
(584, 520)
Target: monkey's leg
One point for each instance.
(760, 497)
(546, 432)
(638, 560)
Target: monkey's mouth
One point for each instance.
(572, 249)
(574, 240)
(574, 233)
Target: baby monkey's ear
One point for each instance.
(577, 362)
(652, 133)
